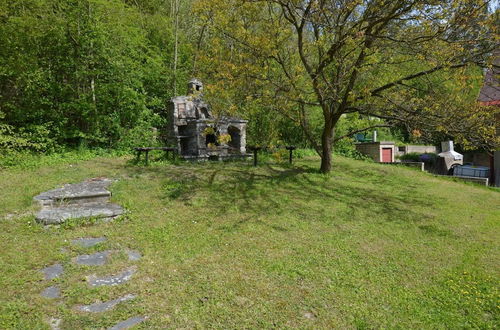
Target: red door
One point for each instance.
(387, 155)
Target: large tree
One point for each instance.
(376, 57)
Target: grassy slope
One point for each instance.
(228, 245)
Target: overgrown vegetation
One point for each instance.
(93, 73)
(99, 73)
(227, 245)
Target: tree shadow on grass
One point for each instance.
(258, 194)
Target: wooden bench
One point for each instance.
(167, 150)
(255, 149)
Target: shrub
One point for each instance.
(35, 138)
(346, 148)
(428, 158)
(410, 157)
(301, 153)
(418, 157)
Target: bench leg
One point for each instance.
(138, 157)
(147, 156)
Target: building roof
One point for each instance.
(490, 92)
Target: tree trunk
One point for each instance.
(176, 37)
(326, 147)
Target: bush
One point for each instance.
(346, 148)
(139, 136)
(410, 157)
(302, 153)
(36, 138)
(418, 157)
(428, 158)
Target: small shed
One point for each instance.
(382, 152)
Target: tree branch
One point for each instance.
(359, 131)
(410, 77)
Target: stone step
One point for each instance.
(90, 191)
(58, 215)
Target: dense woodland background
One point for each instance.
(99, 73)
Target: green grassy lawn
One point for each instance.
(226, 245)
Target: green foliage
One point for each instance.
(303, 153)
(142, 134)
(411, 156)
(29, 138)
(418, 157)
(98, 73)
(297, 57)
(92, 73)
(346, 148)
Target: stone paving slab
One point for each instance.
(105, 306)
(87, 242)
(127, 324)
(53, 271)
(51, 292)
(133, 255)
(60, 214)
(111, 280)
(95, 259)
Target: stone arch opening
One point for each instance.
(235, 143)
(204, 112)
(211, 139)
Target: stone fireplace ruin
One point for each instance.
(197, 134)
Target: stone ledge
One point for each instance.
(93, 190)
(60, 214)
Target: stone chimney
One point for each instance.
(195, 87)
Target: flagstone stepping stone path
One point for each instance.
(133, 255)
(51, 292)
(111, 280)
(53, 271)
(105, 306)
(78, 200)
(129, 323)
(82, 200)
(96, 259)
